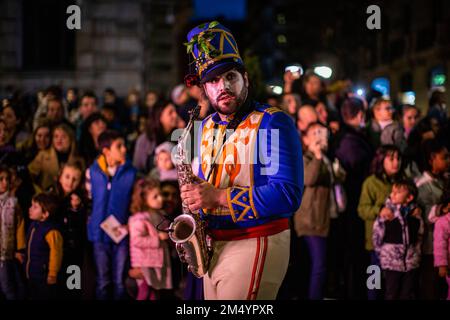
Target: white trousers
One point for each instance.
(248, 269)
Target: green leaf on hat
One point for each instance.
(213, 24)
(204, 47)
(202, 25)
(208, 35)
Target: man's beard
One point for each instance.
(234, 105)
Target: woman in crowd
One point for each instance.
(15, 125)
(91, 129)
(386, 168)
(44, 169)
(161, 123)
(40, 140)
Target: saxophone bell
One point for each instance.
(189, 246)
(182, 228)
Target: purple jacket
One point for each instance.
(442, 241)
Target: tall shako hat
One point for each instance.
(214, 51)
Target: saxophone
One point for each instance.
(187, 230)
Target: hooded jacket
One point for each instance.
(398, 242)
(110, 196)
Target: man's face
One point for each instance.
(227, 91)
(87, 107)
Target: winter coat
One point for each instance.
(313, 216)
(44, 169)
(143, 149)
(373, 195)
(430, 192)
(145, 246)
(44, 250)
(398, 242)
(442, 241)
(110, 196)
(12, 228)
(354, 153)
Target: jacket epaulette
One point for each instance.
(272, 110)
(267, 109)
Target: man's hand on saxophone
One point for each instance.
(203, 195)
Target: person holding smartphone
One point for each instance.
(312, 220)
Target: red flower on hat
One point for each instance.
(191, 80)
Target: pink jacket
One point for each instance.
(145, 247)
(442, 241)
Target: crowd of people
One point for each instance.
(90, 182)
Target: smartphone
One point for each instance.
(296, 71)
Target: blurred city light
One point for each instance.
(382, 85)
(281, 38)
(323, 71)
(438, 77)
(408, 97)
(276, 90)
(360, 92)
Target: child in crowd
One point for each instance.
(397, 239)
(149, 249)
(12, 236)
(441, 238)
(45, 247)
(382, 129)
(165, 169)
(72, 215)
(110, 180)
(431, 186)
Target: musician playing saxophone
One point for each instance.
(250, 174)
